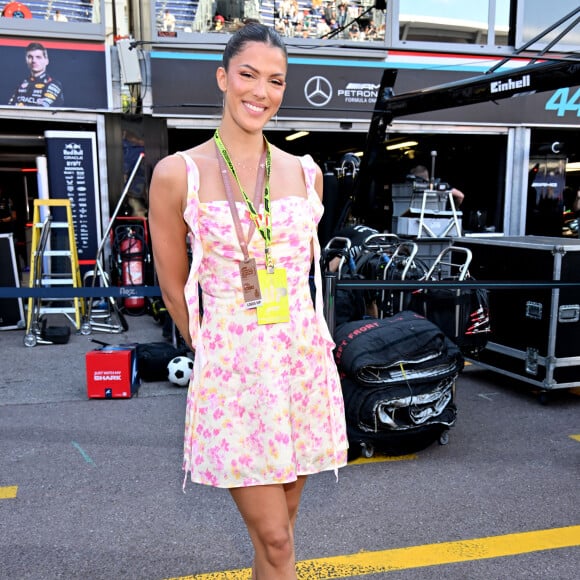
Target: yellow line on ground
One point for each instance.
(368, 563)
(381, 458)
(8, 491)
(575, 437)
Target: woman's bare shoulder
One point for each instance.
(202, 155)
(285, 159)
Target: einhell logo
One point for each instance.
(510, 85)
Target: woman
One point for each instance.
(264, 407)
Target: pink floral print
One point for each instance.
(264, 403)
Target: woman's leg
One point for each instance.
(293, 494)
(269, 512)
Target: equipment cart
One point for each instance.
(535, 335)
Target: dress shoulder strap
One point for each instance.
(309, 168)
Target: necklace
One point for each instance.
(246, 165)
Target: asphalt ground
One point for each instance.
(92, 489)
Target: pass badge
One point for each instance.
(250, 283)
(274, 287)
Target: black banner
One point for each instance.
(72, 174)
(341, 89)
(316, 88)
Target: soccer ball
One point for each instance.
(179, 370)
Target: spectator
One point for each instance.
(168, 24)
(59, 16)
(298, 30)
(294, 13)
(342, 15)
(353, 31)
(218, 22)
(353, 11)
(307, 22)
(330, 11)
(371, 31)
(317, 8)
(322, 27)
(285, 9)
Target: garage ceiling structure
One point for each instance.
(18, 152)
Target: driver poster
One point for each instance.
(53, 74)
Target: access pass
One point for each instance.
(274, 288)
(250, 283)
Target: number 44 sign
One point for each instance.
(561, 102)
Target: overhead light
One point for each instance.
(403, 145)
(297, 135)
(359, 153)
(573, 167)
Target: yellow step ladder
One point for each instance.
(41, 267)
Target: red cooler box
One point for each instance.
(112, 372)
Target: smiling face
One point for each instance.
(253, 85)
(37, 61)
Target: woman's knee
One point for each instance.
(278, 544)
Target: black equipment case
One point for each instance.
(535, 332)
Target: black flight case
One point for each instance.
(535, 332)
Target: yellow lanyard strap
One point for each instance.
(265, 227)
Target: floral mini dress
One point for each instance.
(264, 403)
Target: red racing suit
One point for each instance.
(40, 91)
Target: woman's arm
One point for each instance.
(318, 182)
(167, 199)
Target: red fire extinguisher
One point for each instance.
(131, 252)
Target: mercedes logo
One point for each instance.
(318, 91)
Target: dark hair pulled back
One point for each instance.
(36, 46)
(251, 32)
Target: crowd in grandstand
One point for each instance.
(341, 19)
(324, 20)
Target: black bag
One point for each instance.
(54, 334)
(153, 358)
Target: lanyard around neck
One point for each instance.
(262, 223)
